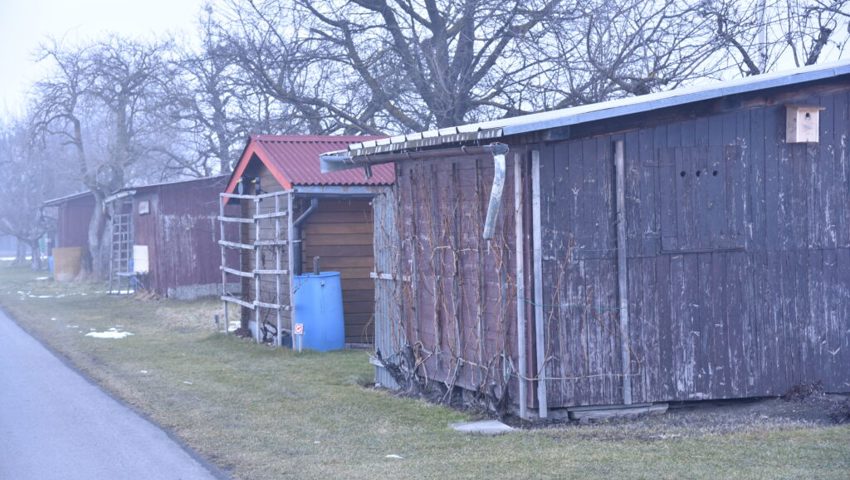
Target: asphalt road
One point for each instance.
(54, 424)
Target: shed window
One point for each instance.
(703, 190)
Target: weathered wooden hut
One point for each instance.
(291, 214)
(685, 245)
(69, 241)
(164, 238)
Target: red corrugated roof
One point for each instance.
(294, 160)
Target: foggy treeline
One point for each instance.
(118, 111)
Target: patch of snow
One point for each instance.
(187, 382)
(143, 372)
(52, 319)
(393, 455)
(42, 278)
(111, 333)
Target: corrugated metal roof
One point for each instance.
(293, 158)
(585, 113)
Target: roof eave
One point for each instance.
(375, 153)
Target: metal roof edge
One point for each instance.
(339, 160)
(173, 182)
(72, 196)
(671, 98)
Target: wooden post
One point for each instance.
(539, 324)
(277, 268)
(622, 271)
(289, 214)
(520, 287)
(257, 266)
(222, 201)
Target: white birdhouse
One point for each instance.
(802, 124)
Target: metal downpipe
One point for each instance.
(296, 235)
(499, 151)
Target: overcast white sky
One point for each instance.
(26, 23)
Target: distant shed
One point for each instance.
(685, 245)
(173, 229)
(69, 241)
(292, 214)
(73, 215)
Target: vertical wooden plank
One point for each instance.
(773, 134)
(556, 201)
(684, 205)
(758, 179)
(520, 286)
(772, 368)
(539, 328)
(666, 386)
(817, 360)
(744, 168)
(802, 332)
(790, 348)
(688, 129)
(606, 219)
(650, 229)
(705, 363)
(830, 188)
(634, 206)
(840, 340)
(842, 167)
(719, 326)
(736, 322)
(681, 346)
(622, 272)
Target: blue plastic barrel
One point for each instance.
(318, 306)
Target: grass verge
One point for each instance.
(263, 413)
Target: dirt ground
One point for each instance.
(696, 419)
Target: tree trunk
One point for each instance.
(94, 260)
(20, 253)
(36, 263)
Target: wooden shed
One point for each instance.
(685, 245)
(164, 238)
(69, 241)
(291, 214)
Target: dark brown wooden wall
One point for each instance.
(739, 258)
(72, 223)
(459, 309)
(340, 233)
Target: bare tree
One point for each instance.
(392, 65)
(30, 176)
(213, 106)
(629, 48)
(104, 101)
(777, 34)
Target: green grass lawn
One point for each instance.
(264, 413)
